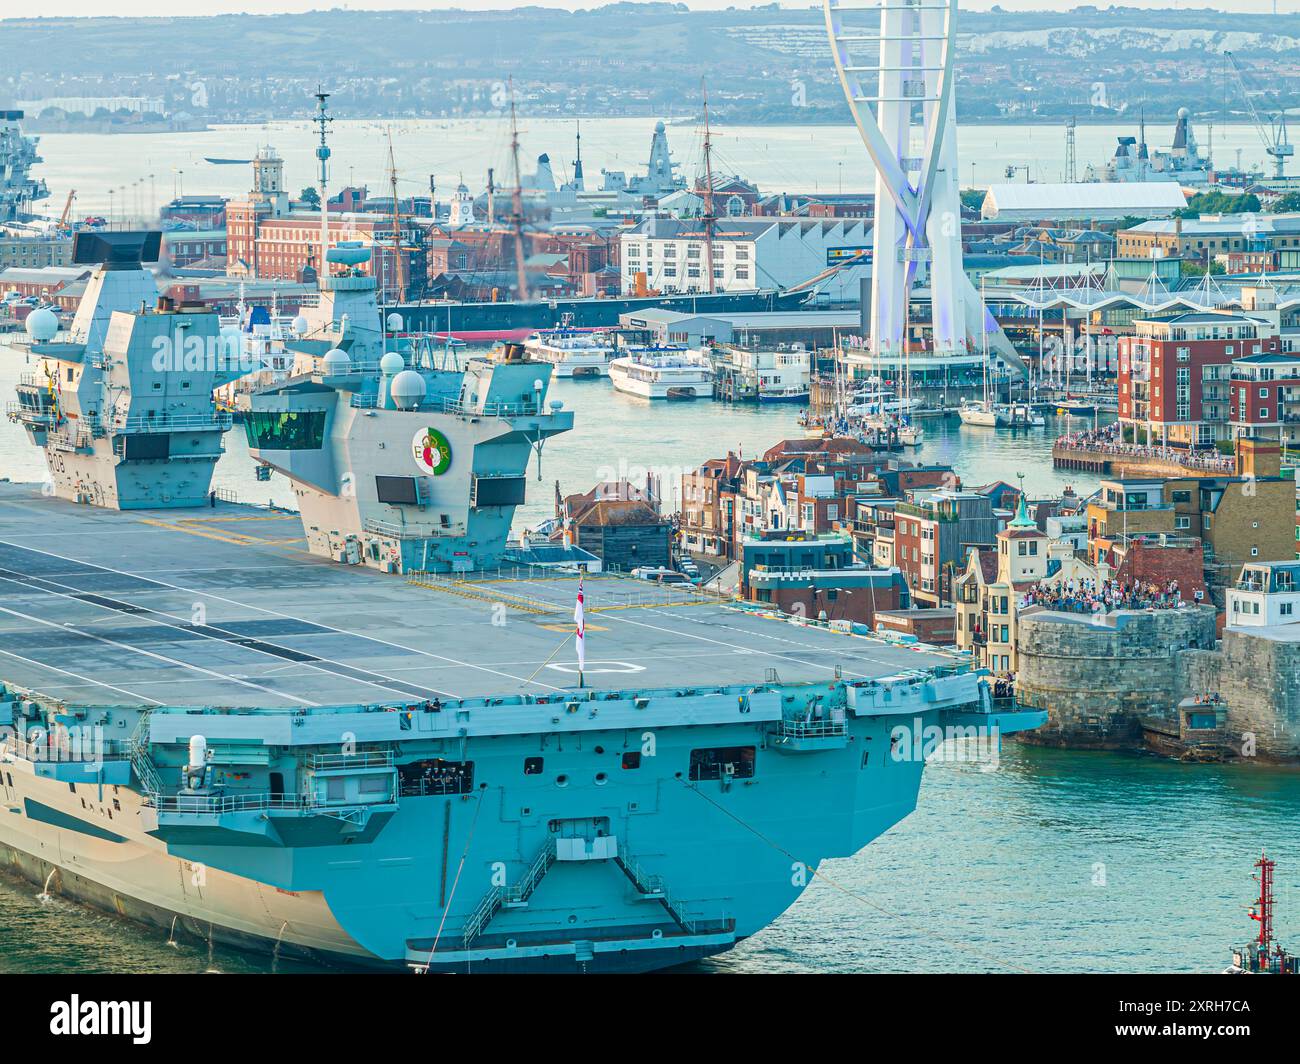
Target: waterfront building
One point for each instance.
(1175, 370)
(1265, 594)
(671, 255)
(269, 237)
(196, 212)
(1264, 397)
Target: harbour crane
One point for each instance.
(67, 211)
(1272, 131)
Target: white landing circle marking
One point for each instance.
(597, 666)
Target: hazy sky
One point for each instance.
(214, 7)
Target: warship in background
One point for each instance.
(18, 189)
(378, 739)
(1263, 956)
(1184, 162)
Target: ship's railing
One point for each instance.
(56, 747)
(456, 407)
(225, 803)
(15, 411)
(400, 531)
(71, 439)
(361, 759)
(216, 422)
(813, 729)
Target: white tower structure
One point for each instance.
(895, 63)
(462, 208)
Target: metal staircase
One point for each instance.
(141, 762)
(510, 897)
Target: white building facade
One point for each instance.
(670, 255)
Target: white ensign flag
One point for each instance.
(582, 630)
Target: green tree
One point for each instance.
(310, 197)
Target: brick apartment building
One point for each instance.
(1175, 373)
(933, 531)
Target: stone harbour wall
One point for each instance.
(1096, 679)
(1259, 679)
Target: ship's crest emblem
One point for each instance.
(432, 451)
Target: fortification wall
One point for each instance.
(1259, 679)
(1095, 680)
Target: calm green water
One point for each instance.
(1058, 861)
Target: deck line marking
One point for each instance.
(300, 620)
(78, 676)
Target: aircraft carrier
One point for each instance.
(364, 732)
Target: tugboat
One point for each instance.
(1263, 956)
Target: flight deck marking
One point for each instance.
(85, 679)
(291, 617)
(168, 620)
(150, 654)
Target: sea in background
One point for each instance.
(145, 170)
(1054, 861)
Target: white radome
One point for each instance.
(42, 325)
(395, 322)
(408, 390)
(300, 326)
(336, 362)
(392, 364)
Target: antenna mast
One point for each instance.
(517, 200)
(397, 224)
(322, 155)
(1263, 911)
(709, 217)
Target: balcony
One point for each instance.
(799, 736)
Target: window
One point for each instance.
(715, 762)
(1285, 609)
(532, 766)
(285, 430)
(632, 759)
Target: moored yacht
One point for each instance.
(669, 371)
(572, 352)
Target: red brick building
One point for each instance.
(1174, 374)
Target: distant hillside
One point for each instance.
(628, 58)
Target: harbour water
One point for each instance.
(822, 159)
(1057, 861)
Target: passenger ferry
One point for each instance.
(667, 371)
(573, 353)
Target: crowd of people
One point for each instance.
(1107, 440)
(1088, 596)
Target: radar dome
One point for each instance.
(1183, 112)
(42, 325)
(336, 362)
(395, 323)
(407, 390)
(300, 326)
(392, 364)
(557, 405)
(659, 127)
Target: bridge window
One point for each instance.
(285, 430)
(715, 762)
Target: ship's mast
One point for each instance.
(517, 200)
(709, 216)
(577, 163)
(1263, 911)
(397, 224)
(322, 155)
